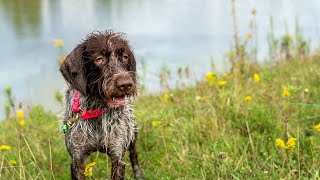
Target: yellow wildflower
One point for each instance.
(22, 123)
(20, 114)
(248, 36)
(201, 98)
(58, 42)
(318, 127)
(165, 98)
(13, 162)
(210, 77)
(285, 92)
(225, 75)
(248, 98)
(156, 123)
(5, 147)
(221, 83)
(254, 12)
(291, 144)
(256, 77)
(280, 143)
(290, 37)
(61, 59)
(88, 169)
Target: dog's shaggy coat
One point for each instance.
(102, 71)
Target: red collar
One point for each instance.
(88, 114)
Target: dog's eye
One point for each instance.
(98, 59)
(125, 58)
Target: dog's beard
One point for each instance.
(115, 98)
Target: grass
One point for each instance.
(193, 133)
(201, 132)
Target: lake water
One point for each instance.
(174, 33)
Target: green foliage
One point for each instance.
(9, 105)
(58, 96)
(165, 75)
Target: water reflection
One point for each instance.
(24, 16)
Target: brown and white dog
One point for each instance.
(101, 78)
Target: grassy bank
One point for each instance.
(225, 127)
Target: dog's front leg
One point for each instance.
(118, 168)
(77, 166)
(134, 160)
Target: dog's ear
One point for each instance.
(73, 69)
(132, 62)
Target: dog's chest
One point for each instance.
(115, 128)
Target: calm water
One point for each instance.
(175, 33)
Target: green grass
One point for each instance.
(187, 137)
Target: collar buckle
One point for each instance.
(68, 125)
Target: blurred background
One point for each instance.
(167, 33)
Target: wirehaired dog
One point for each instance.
(101, 77)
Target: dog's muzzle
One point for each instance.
(123, 86)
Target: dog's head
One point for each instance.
(103, 66)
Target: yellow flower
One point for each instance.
(221, 83)
(201, 98)
(318, 127)
(248, 36)
(280, 143)
(210, 77)
(165, 98)
(156, 123)
(254, 12)
(20, 114)
(291, 144)
(58, 42)
(5, 147)
(88, 169)
(13, 162)
(256, 77)
(225, 75)
(61, 59)
(290, 37)
(285, 92)
(22, 123)
(248, 98)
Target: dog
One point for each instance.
(101, 79)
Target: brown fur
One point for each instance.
(102, 68)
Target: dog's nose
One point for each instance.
(124, 84)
